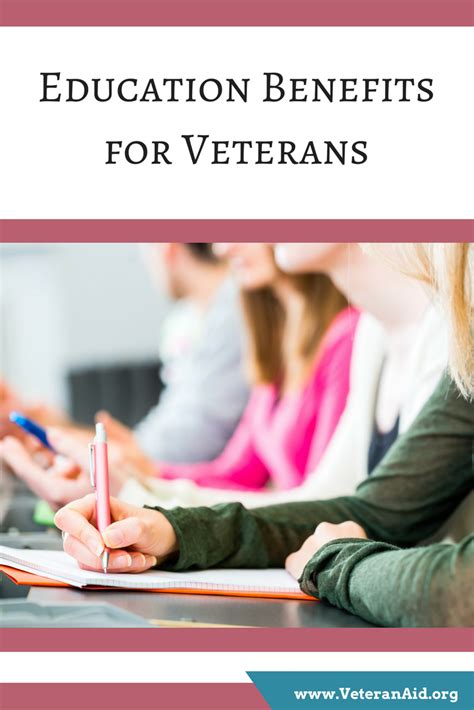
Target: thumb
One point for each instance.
(115, 429)
(124, 533)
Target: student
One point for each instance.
(184, 425)
(299, 342)
(399, 354)
(361, 557)
(300, 336)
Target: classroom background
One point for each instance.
(53, 346)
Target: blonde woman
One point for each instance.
(362, 556)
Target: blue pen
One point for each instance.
(31, 428)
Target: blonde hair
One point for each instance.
(268, 360)
(448, 270)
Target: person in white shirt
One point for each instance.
(399, 354)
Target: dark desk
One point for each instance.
(234, 611)
(17, 505)
(46, 540)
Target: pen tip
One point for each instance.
(105, 561)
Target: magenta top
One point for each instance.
(280, 439)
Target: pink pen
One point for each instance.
(99, 471)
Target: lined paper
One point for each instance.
(60, 566)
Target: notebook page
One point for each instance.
(59, 566)
(46, 563)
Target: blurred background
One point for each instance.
(54, 347)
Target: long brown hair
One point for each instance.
(268, 359)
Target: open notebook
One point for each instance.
(63, 569)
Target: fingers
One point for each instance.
(121, 510)
(325, 532)
(8, 428)
(297, 561)
(78, 519)
(64, 489)
(8, 398)
(289, 562)
(293, 565)
(75, 518)
(120, 561)
(4, 389)
(55, 489)
(63, 467)
(351, 529)
(72, 445)
(124, 533)
(147, 531)
(17, 457)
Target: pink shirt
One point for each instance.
(279, 440)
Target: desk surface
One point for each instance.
(171, 607)
(232, 611)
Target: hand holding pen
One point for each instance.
(137, 538)
(53, 477)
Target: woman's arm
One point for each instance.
(427, 586)
(422, 480)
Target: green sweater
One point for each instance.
(385, 580)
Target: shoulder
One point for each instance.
(448, 410)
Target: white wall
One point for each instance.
(70, 305)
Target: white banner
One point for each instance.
(380, 120)
(187, 667)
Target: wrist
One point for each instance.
(164, 542)
(172, 544)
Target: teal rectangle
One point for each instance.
(372, 690)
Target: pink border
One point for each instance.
(222, 640)
(237, 12)
(219, 13)
(121, 696)
(235, 230)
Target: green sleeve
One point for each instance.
(420, 482)
(424, 586)
(229, 535)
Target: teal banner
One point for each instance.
(371, 690)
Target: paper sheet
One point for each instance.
(59, 566)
